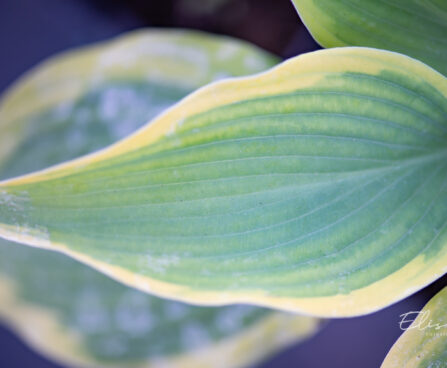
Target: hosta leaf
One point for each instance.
(318, 186)
(417, 28)
(424, 343)
(73, 313)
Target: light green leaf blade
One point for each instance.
(73, 313)
(318, 186)
(412, 27)
(424, 343)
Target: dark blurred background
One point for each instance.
(32, 30)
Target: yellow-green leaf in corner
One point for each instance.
(424, 342)
(413, 27)
(65, 309)
(319, 186)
